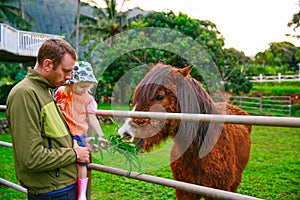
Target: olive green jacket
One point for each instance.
(43, 153)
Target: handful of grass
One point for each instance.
(116, 145)
(128, 149)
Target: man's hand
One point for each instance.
(82, 153)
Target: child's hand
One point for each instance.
(94, 143)
(91, 144)
(103, 143)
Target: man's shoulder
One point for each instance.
(22, 87)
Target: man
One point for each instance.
(44, 154)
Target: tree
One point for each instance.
(230, 63)
(77, 25)
(104, 23)
(280, 57)
(233, 72)
(295, 22)
(22, 13)
(149, 46)
(13, 15)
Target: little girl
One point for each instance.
(79, 107)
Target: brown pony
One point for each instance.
(207, 154)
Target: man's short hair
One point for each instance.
(55, 49)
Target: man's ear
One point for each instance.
(48, 65)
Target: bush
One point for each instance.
(295, 110)
(4, 91)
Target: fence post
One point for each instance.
(260, 78)
(299, 70)
(279, 77)
(290, 104)
(89, 171)
(89, 175)
(260, 106)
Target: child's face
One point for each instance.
(81, 88)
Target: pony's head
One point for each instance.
(168, 89)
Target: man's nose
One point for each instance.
(68, 76)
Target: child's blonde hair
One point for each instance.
(70, 87)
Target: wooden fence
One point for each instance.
(265, 105)
(279, 78)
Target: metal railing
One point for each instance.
(210, 192)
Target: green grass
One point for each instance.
(274, 168)
(273, 171)
(276, 83)
(2, 114)
(277, 89)
(114, 107)
(7, 171)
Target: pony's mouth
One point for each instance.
(127, 137)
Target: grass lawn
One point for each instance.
(277, 89)
(273, 171)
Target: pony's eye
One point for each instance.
(159, 97)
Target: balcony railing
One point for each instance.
(23, 43)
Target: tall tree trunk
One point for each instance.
(21, 9)
(77, 25)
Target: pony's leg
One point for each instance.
(236, 183)
(183, 195)
(234, 187)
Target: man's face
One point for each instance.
(63, 72)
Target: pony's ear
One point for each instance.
(185, 71)
(161, 61)
(159, 64)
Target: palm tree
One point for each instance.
(105, 23)
(13, 15)
(77, 25)
(21, 9)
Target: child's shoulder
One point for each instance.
(60, 88)
(88, 95)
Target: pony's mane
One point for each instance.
(193, 98)
(153, 81)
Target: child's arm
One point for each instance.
(94, 123)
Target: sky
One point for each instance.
(247, 25)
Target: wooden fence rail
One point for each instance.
(264, 105)
(279, 78)
(212, 118)
(210, 192)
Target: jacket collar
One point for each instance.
(33, 75)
